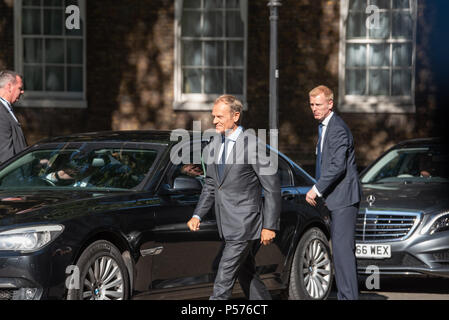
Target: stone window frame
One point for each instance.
(49, 99)
(202, 102)
(367, 103)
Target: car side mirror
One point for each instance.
(186, 183)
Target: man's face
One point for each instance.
(321, 107)
(16, 90)
(224, 118)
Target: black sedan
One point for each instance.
(103, 216)
(403, 222)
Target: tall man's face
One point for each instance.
(321, 106)
(224, 118)
(16, 90)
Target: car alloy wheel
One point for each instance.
(311, 273)
(102, 274)
(104, 281)
(316, 269)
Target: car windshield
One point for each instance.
(88, 167)
(423, 164)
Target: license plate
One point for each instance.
(373, 251)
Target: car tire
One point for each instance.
(102, 274)
(311, 273)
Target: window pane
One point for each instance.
(191, 81)
(53, 22)
(32, 50)
(75, 51)
(356, 55)
(31, 3)
(381, 4)
(32, 76)
(234, 25)
(213, 81)
(234, 55)
(191, 24)
(379, 55)
(379, 82)
(71, 2)
(401, 4)
(357, 5)
(356, 82)
(213, 53)
(213, 4)
(356, 27)
(54, 51)
(53, 3)
(213, 24)
(234, 81)
(402, 25)
(382, 31)
(232, 4)
(54, 78)
(402, 55)
(31, 21)
(191, 53)
(75, 79)
(402, 82)
(192, 3)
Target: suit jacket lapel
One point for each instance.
(326, 135)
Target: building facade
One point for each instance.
(159, 64)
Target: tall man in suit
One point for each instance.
(338, 184)
(12, 140)
(245, 220)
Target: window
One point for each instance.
(50, 56)
(377, 55)
(210, 51)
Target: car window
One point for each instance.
(83, 167)
(284, 173)
(426, 164)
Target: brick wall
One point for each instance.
(130, 52)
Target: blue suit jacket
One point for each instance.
(339, 183)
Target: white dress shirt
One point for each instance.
(323, 133)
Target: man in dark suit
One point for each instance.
(245, 220)
(338, 183)
(12, 140)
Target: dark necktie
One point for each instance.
(318, 154)
(221, 164)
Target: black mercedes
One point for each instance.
(102, 216)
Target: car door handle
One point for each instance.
(287, 195)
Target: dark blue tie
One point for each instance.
(318, 154)
(221, 164)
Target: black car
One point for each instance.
(103, 216)
(403, 221)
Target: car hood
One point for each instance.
(424, 197)
(22, 206)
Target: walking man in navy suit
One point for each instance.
(338, 184)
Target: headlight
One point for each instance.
(439, 223)
(30, 238)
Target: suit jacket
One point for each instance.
(12, 140)
(240, 209)
(339, 182)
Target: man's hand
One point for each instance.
(267, 236)
(194, 224)
(310, 197)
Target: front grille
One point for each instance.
(384, 226)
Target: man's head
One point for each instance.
(321, 102)
(226, 112)
(11, 86)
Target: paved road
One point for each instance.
(407, 289)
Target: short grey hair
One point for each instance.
(8, 76)
(234, 103)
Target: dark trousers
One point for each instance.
(343, 251)
(238, 260)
